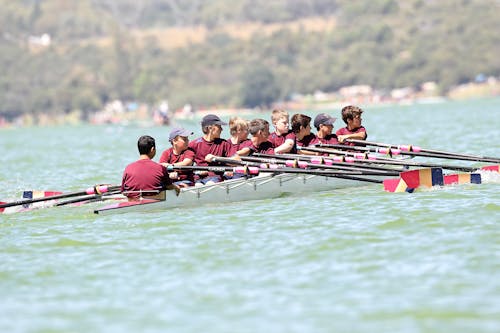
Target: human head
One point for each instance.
(280, 118)
(323, 119)
(178, 131)
(279, 114)
(350, 112)
(300, 121)
(210, 120)
(146, 145)
(237, 125)
(257, 125)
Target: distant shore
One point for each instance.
(118, 112)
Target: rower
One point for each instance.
(238, 128)
(207, 147)
(259, 142)
(179, 155)
(324, 125)
(283, 139)
(351, 115)
(145, 177)
(301, 126)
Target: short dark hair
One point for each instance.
(145, 143)
(257, 125)
(299, 120)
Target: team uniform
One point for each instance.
(184, 176)
(306, 140)
(265, 147)
(345, 131)
(201, 147)
(330, 139)
(235, 147)
(277, 140)
(144, 175)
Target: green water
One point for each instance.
(358, 260)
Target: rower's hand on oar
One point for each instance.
(341, 138)
(173, 175)
(209, 158)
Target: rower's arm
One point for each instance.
(357, 136)
(186, 161)
(243, 152)
(286, 147)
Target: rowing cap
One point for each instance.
(211, 119)
(323, 119)
(178, 131)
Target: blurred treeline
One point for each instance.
(103, 50)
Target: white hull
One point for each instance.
(264, 186)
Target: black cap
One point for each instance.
(323, 119)
(211, 119)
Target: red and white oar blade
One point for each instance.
(396, 185)
(494, 168)
(33, 194)
(423, 177)
(462, 178)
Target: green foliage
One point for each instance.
(259, 86)
(94, 57)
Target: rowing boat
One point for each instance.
(263, 186)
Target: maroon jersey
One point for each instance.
(306, 141)
(330, 139)
(235, 147)
(265, 147)
(218, 147)
(277, 140)
(345, 130)
(144, 175)
(168, 156)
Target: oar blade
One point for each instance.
(494, 168)
(396, 185)
(423, 177)
(462, 178)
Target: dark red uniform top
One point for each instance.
(345, 130)
(306, 141)
(265, 147)
(218, 147)
(168, 156)
(235, 147)
(330, 139)
(144, 175)
(278, 140)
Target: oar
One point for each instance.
(243, 170)
(303, 165)
(418, 151)
(320, 161)
(371, 158)
(274, 168)
(98, 189)
(89, 197)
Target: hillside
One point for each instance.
(234, 53)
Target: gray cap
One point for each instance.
(323, 119)
(178, 131)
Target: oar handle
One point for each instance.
(240, 169)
